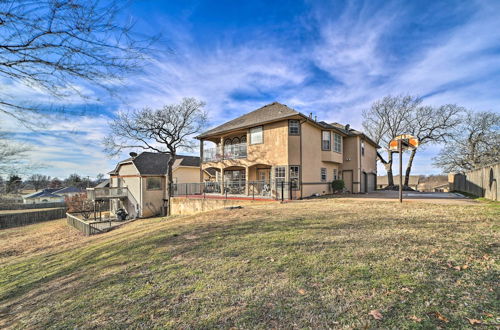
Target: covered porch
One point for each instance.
(234, 181)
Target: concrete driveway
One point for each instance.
(435, 197)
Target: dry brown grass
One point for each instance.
(312, 264)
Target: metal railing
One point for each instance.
(105, 193)
(276, 189)
(231, 151)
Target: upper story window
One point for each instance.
(337, 142)
(153, 183)
(323, 174)
(362, 148)
(325, 140)
(293, 127)
(256, 135)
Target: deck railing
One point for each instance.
(232, 151)
(106, 193)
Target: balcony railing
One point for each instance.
(105, 193)
(233, 151)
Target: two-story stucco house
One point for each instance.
(276, 144)
(138, 184)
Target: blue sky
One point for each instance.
(332, 58)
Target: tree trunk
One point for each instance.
(408, 167)
(170, 179)
(388, 168)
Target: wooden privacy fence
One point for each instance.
(10, 220)
(482, 182)
(88, 227)
(17, 206)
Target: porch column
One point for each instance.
(222, 147)
(247, 176)
(222, 181)
(201, 160)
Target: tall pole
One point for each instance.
(400, 147)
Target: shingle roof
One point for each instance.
(68, 190)
(43, 193)
(103, 184)
(154, 163)
(267, 113)
(272, 112)
(353, 132)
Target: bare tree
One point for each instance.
(39, 181)
(386, 119)
(12, 156)
(430, 125)
(164, 130)
(393, 116)
(53, 45)
(474, 143)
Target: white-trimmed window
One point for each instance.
(337, 142)
(279, 173)
(325, 140)
(153, 183)
(256, 135)
(294, 176)
(362, 148)
(323, 174)
(293, 127)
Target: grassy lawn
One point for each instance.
(318, 264)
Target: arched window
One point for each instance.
(227, 146)
(236, 140)
(244, 139)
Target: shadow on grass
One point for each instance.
(304, 245)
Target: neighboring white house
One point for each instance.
(51, 195)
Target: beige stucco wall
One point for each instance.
(152, 200)
(351, 161)
(185, 206)
(313, 161)
(186, 174)
(280, 149)
(369, 160)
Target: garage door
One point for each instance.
(370, 182)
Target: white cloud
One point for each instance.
(459, 66)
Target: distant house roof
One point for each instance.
(273, 112)
(382, 180)
(154, 163)
(43, 193)
(68, 190)
(103, 184)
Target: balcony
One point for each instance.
(232, 151)
(107, 193)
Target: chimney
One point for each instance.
(311, 115)
(347, 127)
(133, 154)
(315, 118)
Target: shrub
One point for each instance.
(80, 204)
(338, 185)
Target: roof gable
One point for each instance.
(155, 163)
(267, 113)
